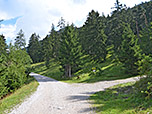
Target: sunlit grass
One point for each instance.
(121, 99)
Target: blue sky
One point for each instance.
(11, 21)
(38, 15)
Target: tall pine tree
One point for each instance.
(146, 40)
(34, 48)
(50, 46)
(3, 67)
(20, 39)
(128, 50)
(93, 38)
(70, 51)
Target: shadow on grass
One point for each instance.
(120, 100)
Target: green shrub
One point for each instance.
(144, 86)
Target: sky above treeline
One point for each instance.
(38, 15)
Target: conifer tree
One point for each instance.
(93, 38)
(61, 23)
(20, 39)
(70, 51)
(50, 46)
(34, 48)
(128, 50)
(47, 50)
(118, 7)
(146, 40)
(3, 68)
(2, 43)
(54, 41)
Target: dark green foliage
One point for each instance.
(16, 66)
(3, 75)
(145, 65)
(70, 52)
(146, 40)
(3, 67)
(34, 48)
(13, 65)
(50, 46)
(128, 50)
(20, 40)
(118, 7)
(61, 23)
(93, 38)
(47, 50)
(114, 30)
(144, 87)
(2, 44)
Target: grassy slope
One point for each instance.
(110, 71)
(121, 99)
(18, 96)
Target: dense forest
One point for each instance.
(124, 37)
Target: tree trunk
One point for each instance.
(70, 71)
(66, 70)
(137, 29)
(146, 22)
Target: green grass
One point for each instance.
(121, 99)
(18, 96)
(104, 71)
(53, 71)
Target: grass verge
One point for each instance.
(18, 96)
(121, 99)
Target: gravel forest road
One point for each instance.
(55, 97)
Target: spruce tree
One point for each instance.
(3, 67)
(70, 51)
(34, 48)
(118, 7)
(50, 46)
(61, 23)
(47, 50)
(93, 38)
(128, 50)
(146, 40)
(20, 39)
(2, 43)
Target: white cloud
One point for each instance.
(8, 31)
(38, 15)
(3, 15)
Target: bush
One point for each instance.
(144, 86)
